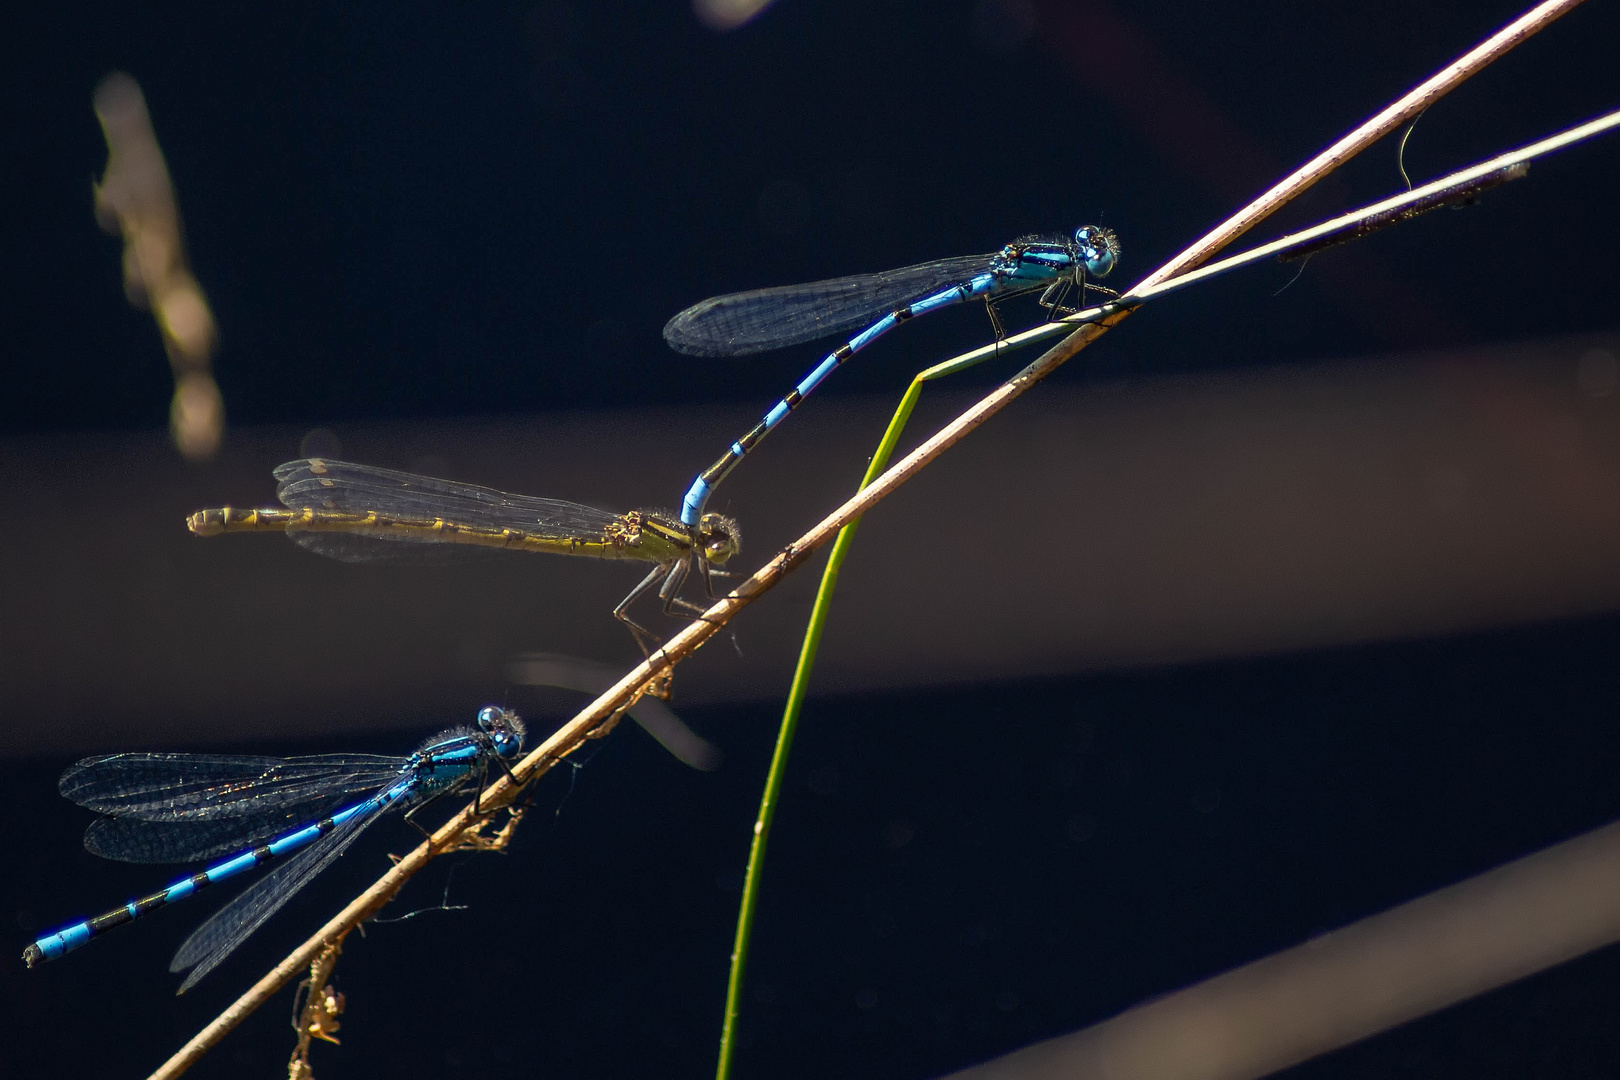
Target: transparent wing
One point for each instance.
(396, 550)
(232, 924)
(590, 677)
(738, 324)
(323, 484)
(179, 787)
(132, 840)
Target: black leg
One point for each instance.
(1092, 286)
(510, 775)
(636, 593)
(671, 588)
(410, 815)
(648, 641)
(995, 319)
(1052, 298)
(991, 305)
(674, 605)
(483, 782)
(679, 607)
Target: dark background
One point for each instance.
(409, 212)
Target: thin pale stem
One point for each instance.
(1282, 245)
(1590, 129)
(1399, 112)
(624, 692)
(1158, 284)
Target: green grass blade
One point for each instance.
(795, 704)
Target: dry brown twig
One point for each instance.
(318, 1018)
(622, 694)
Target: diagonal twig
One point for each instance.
(1456, 186)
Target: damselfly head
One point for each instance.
(504, 727)
(718, 538)
(1098, 248)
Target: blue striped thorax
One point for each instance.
(448, 759)
(1093, 250)
(1033, 260)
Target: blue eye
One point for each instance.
(1098, 247)
(487, 716)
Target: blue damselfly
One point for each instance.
(763, 319)
(164, 808)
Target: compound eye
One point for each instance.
(718, 536)
(1098, 249)
(488, 716)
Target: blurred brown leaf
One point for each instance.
(135, 200)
